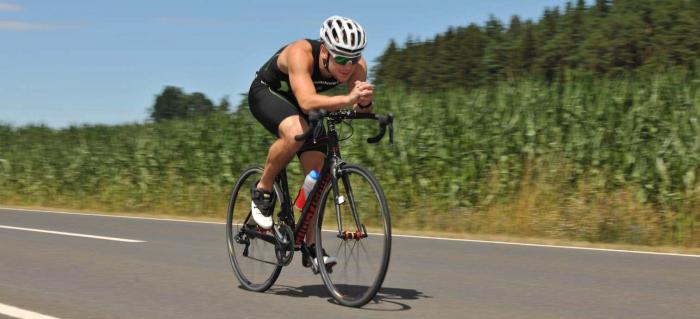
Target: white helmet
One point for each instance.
(343, 36)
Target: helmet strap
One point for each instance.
(325, 64)
(325, 61)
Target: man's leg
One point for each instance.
(279, 155)
(282, 150)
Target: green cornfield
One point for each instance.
(599, 160)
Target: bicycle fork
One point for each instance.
(339, 199)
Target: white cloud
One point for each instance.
(32, 26)
(4, 6)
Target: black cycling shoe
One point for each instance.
(305, 259)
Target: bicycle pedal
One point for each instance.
(240, 240)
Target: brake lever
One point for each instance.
(389, 121)
(391, 134)
(384, 121)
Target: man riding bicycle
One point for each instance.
(285, 90)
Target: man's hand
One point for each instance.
(362, 94)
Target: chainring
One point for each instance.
(284, 248)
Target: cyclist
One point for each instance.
(285, 90)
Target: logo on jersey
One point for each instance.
(324, 85)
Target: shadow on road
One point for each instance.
(388, 299)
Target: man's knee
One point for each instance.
(291, 127)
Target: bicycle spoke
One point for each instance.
(262, 261)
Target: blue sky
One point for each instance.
(97, 61)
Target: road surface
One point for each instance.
(87, 266)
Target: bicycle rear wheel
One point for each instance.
(358, 235)
(252, 256)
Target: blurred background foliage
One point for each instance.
(581, 126)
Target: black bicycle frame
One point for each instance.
(301, 227)
(331, 162)
(311, 206)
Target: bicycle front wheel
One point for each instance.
(252, 256)
(354, 226)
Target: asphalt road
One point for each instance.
(175, 269)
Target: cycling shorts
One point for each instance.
(271, 108)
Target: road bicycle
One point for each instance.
(346, 210)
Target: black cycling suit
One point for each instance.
(271, 98)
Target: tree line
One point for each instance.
(608, 38)
(174, 103)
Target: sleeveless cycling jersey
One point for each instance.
(278, 81)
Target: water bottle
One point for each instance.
(305, 190)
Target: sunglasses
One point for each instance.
(343, 60)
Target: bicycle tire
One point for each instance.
(259, 271)
(339, 281)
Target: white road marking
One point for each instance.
(549, 246)
(112, 216)
(394, 235)
(15, 312)
(72, 234)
